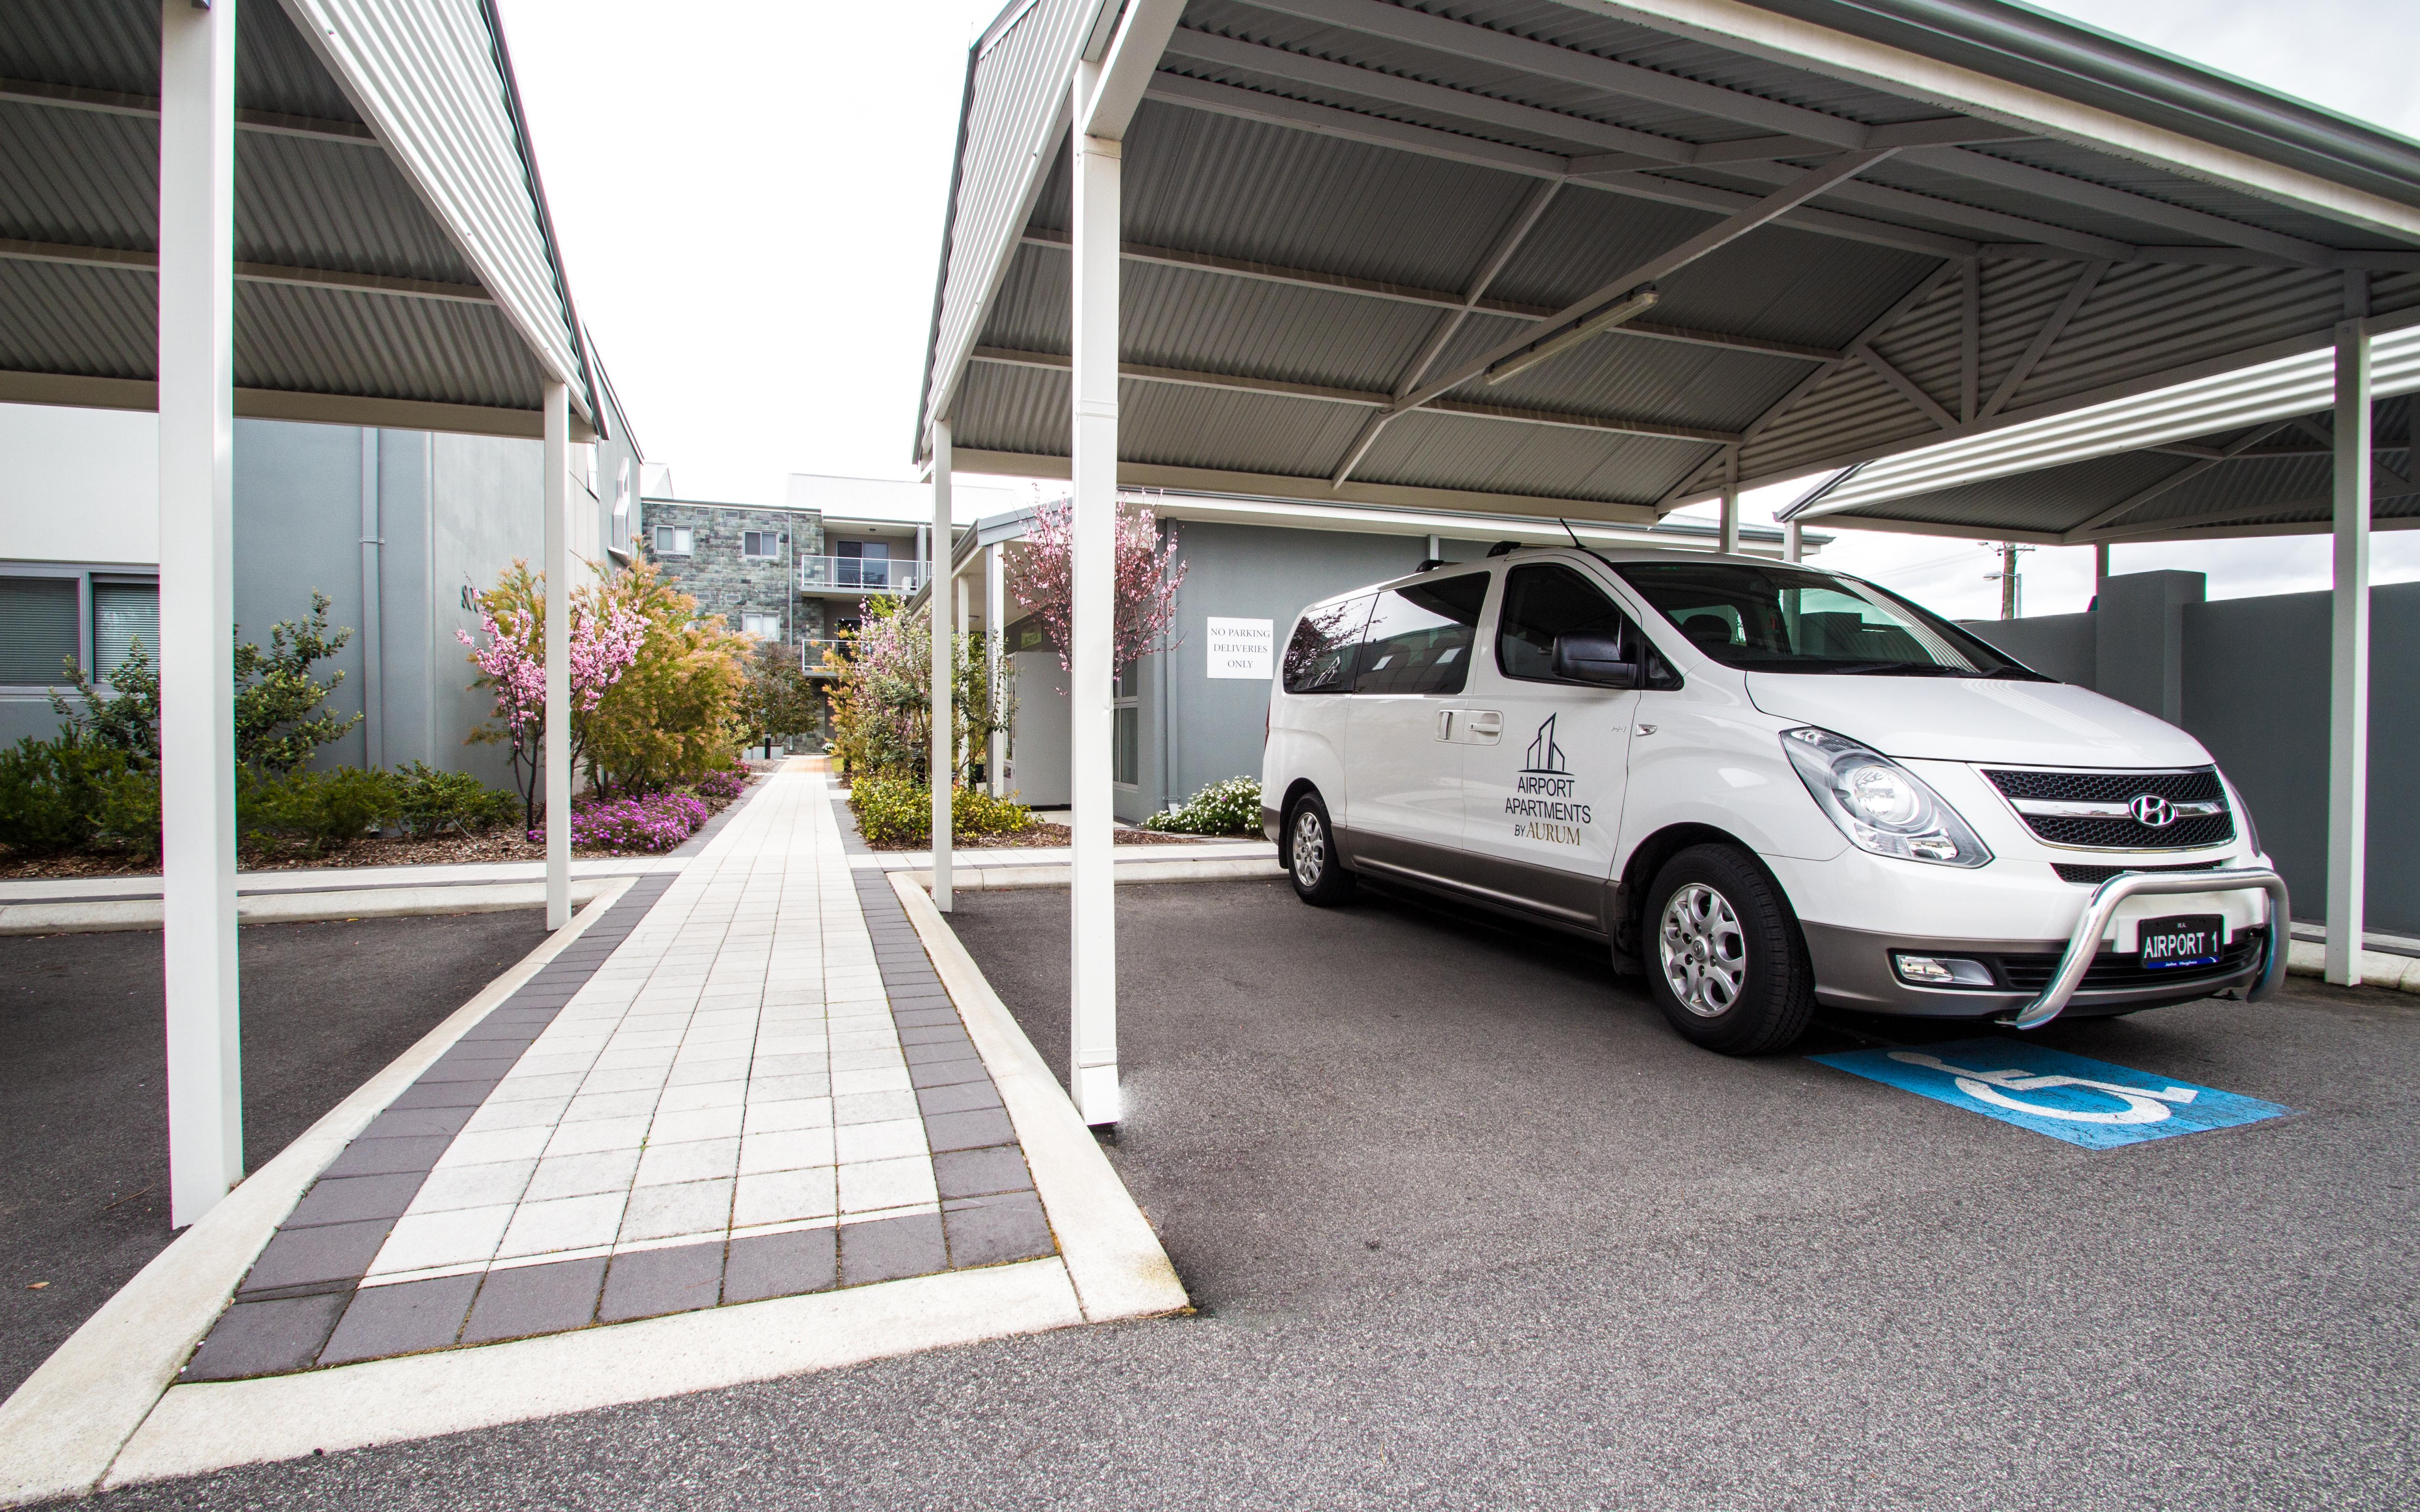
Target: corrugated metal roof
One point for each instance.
(425, 74)
(1334, 140)
(438, 189)
(1017, 91)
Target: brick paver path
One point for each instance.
(744, 1082)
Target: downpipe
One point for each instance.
(2085, 942)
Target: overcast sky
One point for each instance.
(750, 195)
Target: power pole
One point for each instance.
(2012, 588)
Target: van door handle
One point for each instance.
(1445, 723)
(1486, 726)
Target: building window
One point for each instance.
(763, 626)
(1125, 726)
(864, 564)
(760, 544)
(38, 643)
(675, 541)
(124, 612)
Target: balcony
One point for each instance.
(810, 655)
(862, 575)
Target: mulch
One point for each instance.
(502, 843)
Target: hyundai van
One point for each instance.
(1765, 787)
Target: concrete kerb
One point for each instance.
(66, 1424)
(1207, 869)
(304, 907)
(2395, 973)
(1115, 1260)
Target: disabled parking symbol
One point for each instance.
(2088, 1103)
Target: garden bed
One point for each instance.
(502, 843)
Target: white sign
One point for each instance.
(1241, 648)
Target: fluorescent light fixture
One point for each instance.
(1629, 307)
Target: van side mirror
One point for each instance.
(1599, 660)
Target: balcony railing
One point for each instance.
(811, 655)
(870, 574)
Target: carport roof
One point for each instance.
(394, 260)
(1899, 222)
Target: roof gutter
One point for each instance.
(544, 218)
(2030, 47)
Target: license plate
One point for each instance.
(2187, 940)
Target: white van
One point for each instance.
(1768, 787)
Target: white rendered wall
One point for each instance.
(79, 485)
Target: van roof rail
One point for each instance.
(1500, 547)
(1430, 564)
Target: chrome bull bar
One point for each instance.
(2085, 942)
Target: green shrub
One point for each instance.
(322, 808)
(1228, 808)
(51, 793)
(429, 802)
(891, 812)
(128, 810)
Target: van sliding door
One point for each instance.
(1407, 808)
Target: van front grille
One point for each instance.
(2121, 833)
(2111, 971)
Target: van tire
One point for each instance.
(1310, 851)
(1718, 923)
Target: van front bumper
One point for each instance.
(2038, 981)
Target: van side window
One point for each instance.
(1543, 601)
(1319, 658)
(1420, 637)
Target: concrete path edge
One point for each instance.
(1114, 1258)
(109, 916)
(66, 1423)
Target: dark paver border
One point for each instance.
(303, 1305)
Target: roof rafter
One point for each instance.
(123, 260)
(1985, 168)
(1189, 378)
(1436, 299)
(2175, 480)
(147, 107)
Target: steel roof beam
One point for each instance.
(2235, 512)
(147, 107)
(1973, 219)
(1438, 298)
(1805, 187)
(1126, 65)
(1460, 39)
(2063, 188)
(1428, 140)
(1925, 404)
(2046, 337)
(1232, 382)
(2175, 480)
(122, 260)
(1508, 242)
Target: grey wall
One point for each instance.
(1037, 760)
(2056, 645)
(2256, 692)
(2248, 678)
(298, 491)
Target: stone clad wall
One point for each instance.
(728, 584)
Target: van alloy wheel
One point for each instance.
(1703, 950)
(1310, 848)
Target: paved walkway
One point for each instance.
(744, 1082)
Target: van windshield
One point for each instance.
(1786, 619)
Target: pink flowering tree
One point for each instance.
(510, 654)
(1146, 580)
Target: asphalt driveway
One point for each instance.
(1473, 1230)
(84, 1139)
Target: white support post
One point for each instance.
(2349, 664)
(557, 755)
(995, 652)
(205, 1053)
(1792, 546)
(1092, 1007)
(943, 760)
(1729, 543)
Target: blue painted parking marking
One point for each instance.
(2088, 1103)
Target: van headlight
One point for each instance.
(1880, 805)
